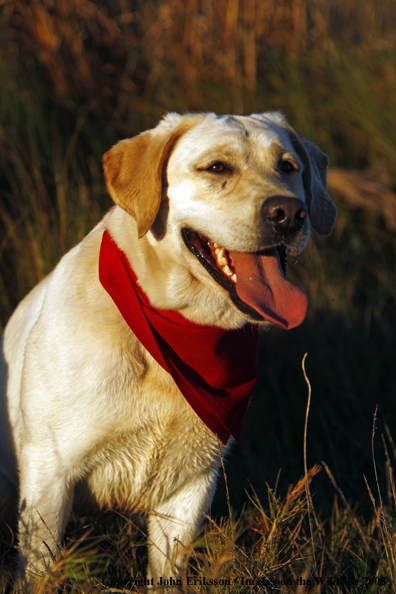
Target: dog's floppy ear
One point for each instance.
(322, 210)
(133, 172)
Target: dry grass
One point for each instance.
(268, 548)
(77, 75)
(364, 191)
(280, 545)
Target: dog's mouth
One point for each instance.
(256, 281)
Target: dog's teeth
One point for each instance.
(222, 261)
(221, 257)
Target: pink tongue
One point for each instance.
(262, 284)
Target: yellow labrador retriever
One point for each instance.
(124, 367)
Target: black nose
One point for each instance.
(286, 215)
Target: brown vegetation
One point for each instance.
(76, 76)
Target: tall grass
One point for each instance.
(77, 75)
(277, 546)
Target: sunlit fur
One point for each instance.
(90, 419)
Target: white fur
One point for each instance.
(88, 410)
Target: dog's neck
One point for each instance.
(169, 280)
(215, 369)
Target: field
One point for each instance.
(76, 76)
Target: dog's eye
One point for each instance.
(218, 167)
(287, 166)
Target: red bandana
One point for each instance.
(215, 369)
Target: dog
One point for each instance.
(125, 368)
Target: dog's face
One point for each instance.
(229, 197)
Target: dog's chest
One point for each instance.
(140, 469)
(165, 445)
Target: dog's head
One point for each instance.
(230, 196)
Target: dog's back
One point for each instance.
(12, 352)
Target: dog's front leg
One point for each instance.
(172, 527)
(46, 496)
